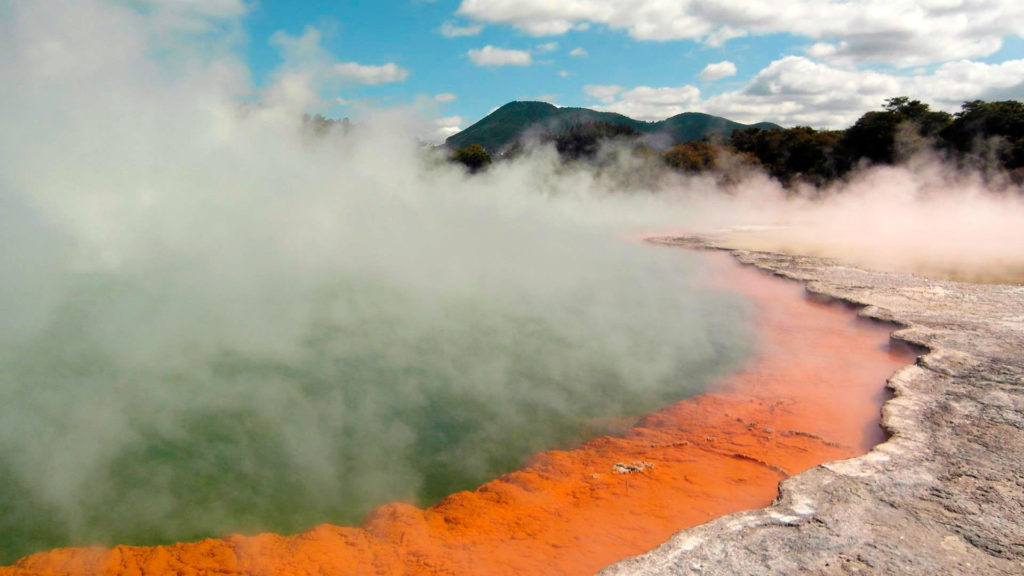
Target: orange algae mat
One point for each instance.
(811, 394)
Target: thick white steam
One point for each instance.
(189, 276)
(218, 321)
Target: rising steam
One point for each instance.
(214, 321)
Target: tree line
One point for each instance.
(987, 136)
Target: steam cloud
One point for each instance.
(215, 322)
(924, 217)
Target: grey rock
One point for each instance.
(623, 468)
(944, 495)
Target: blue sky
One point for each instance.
(407, 33)
(815, 62)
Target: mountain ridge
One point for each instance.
(517, 119)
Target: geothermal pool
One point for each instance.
(808, 391)
(139, 413)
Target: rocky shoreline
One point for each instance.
(944, 495)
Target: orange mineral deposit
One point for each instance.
(811, 394)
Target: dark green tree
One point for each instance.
(473, 157)
(694, 156)
(319, 125)
(582, 141)
(873, 136)
(1001, 123)
(801, 153)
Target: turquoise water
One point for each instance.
(121, 422)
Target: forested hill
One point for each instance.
(508, 124)
(985, 137)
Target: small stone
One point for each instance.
(631, 468)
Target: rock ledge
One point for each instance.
(944, 495)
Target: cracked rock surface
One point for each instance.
(944, 495)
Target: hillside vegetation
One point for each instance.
(505, 127)
(983, 136)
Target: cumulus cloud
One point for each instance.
(651, 19)
(545, 48)
(578, 52)
(445, 97)
(445, 127)
(304, 72)
(308, 71)
(452, 30)
(602, 93)
(797, 90)
(718, 70)
(303, 50)
(207, 9)
(193, 16)
(954, 82)
(371, 75)
(491, 56)
(722, 35)
(901, 32)
(648, 103)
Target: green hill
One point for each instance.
(514, 120)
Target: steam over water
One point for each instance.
(127, 417)
(214, 321)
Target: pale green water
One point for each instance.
(382, 394)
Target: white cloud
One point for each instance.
(194, 15)
(718, 70)
(602, 93)
(303, 74)
(905, 33)
(723, 35)
(822, 50)
(796, 90)
(445, 97)
(541, 17)
(453, 30)
(955, 82)
(545, 48)
(445, 127)
(650, 103)
(371, 75)
(293, 89)
(309, 73)
(491, 56)
(578, 52)
(563, 73)
(304, 50)
(216, 9)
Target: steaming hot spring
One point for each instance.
(428, 421)
(232, 346)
